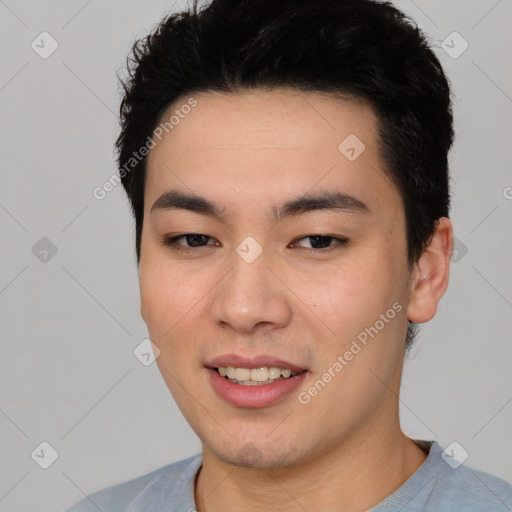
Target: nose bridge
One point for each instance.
(250, 294)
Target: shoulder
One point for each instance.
(442, 484)
(471, 489)
(171, 480)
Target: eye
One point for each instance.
(320, 242)
(317, 243)
(192, 240)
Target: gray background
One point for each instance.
(69, 324)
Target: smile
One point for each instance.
(255, 376)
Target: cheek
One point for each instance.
(166, 311)
(171, 300)
(351, 295)
(162, 297)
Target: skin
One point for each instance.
(249, 152)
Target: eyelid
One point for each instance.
(339, 241)
(171, 241)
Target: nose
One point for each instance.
(251, 297)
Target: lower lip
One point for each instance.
(254, 396)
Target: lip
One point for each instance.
(254, 396)
(252, 362)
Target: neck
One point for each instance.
(354, 476)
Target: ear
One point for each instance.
(429, 279)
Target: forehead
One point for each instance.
(264, 145)
(250, 118)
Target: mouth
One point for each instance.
(260, 376)
(255, 382)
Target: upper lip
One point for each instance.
(252, 362)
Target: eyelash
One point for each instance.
(172, 243)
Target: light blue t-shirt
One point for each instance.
(435, 487)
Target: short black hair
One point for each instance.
(364, 49)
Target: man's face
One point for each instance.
(254, 290)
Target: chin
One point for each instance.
(250, 456)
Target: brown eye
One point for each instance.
(319, 242)
(191, 240)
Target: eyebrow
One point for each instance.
(324, 200)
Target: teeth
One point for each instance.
(274, 373)
(242, 374)
(252, 376)
(258, 374)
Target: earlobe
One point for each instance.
(429, 278)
